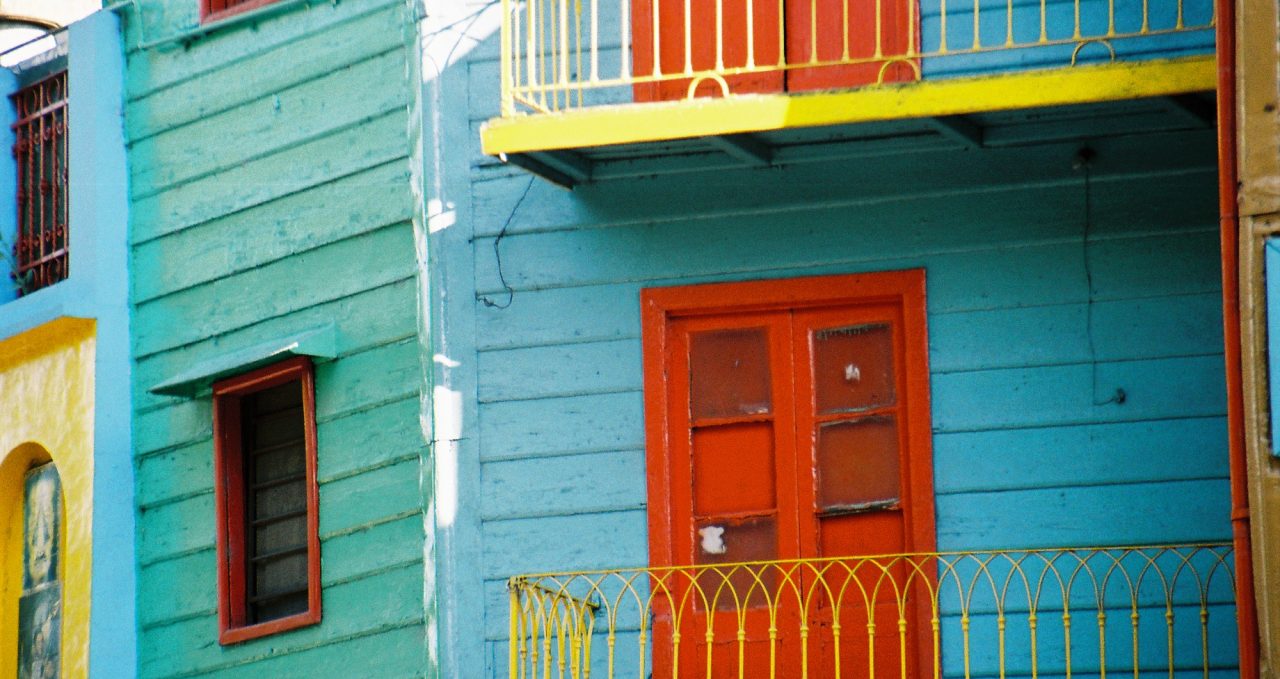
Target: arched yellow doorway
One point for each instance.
(46, 416)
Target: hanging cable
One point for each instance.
(1084, 162)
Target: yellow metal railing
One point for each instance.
(1139, 611)
(566, 54)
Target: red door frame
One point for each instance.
(663, 307)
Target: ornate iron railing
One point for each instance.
(566, 54)
(1138, 611)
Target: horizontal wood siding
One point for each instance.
(1039, 311)
(271, 193)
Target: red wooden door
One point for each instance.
(869, 495)
(782, 41)
(800, 430)
(732, 491)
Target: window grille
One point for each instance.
(213, 10)
(41, 252)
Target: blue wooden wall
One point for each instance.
(271, 192)
(1039, 311)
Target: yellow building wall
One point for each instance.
(46, 412)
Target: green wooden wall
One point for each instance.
(271, 192)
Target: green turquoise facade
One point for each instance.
(271, 195)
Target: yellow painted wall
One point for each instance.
(46, 412)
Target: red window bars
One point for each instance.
(40, 149)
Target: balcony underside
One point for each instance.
(611, 142)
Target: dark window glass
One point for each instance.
(275, 502)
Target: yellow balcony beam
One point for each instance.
(685, 119)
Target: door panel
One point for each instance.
(851, 376)
(733, 477)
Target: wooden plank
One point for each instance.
(314, 277)
(543, 372)
(1121, 514)
(311, 55)
(347, 385)
(563, 486)
(380, 435)
(370, 497)
(960, 279)
(1080, 455)
(176, 529)
(373, 143)
(359, 633)
(1078, 394)
(902, 178)
(601, 313)
(562, 543)
(562, 425)
(364, 320)
(276, 121)
(175, 473)
(961, 340)
(159, 69)
(177, 592)
(1126, 329)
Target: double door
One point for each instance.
(794, 433)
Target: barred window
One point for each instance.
(212, 10)
(269, 552)
(41, 250)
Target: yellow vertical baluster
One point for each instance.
(1008, 21)
(1134, 617)
(508, 104)
(595, 40)
(1066, 633)
(977, 25)
(1102, 644)
(1204, 637)
(942, 26)
(879, 30)
(624, 35)
(813, 30)
(719, 35)
(782, 34)
(844, 14)
(688, 38)
(657, 40)
(513, 629)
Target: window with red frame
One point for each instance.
(212, 10)
(787, 419)
(793, 45)
(41, 251)
(266, 501)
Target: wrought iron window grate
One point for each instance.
(41, 250)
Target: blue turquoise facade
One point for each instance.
(90, 311)
(1074, 312)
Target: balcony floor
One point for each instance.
(616, 142)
